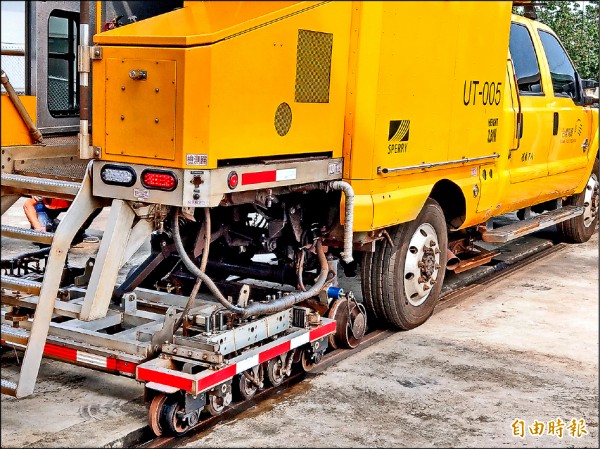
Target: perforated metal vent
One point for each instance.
(283, 119)
(313, 66)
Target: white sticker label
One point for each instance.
(474, 171)
(199, 203)
(288, 174)
(141, 194)
(196, 159)
(334, 168)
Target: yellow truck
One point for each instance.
(438, 119)
(384, 135)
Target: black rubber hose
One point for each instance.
(255, 308)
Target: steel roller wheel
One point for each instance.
(245, 387)
(407, 276)
(275, 371)
(171, 416)
(350, 326)
(154, 413)
(580, 229)
(215, 405)
(307, 361)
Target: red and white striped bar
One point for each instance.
(82, 358)
(88, 360)
(159, 371)
(259, 177)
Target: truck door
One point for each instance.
(570, 133)
(531, 159)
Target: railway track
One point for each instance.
(449, 299)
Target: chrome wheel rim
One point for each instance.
(422, 265)
(590, 201)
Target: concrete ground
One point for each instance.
(524, 348)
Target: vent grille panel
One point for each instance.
(313, 66)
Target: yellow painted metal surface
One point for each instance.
(140, 117)
(200, 23)
(14, 130)
(388, 85)
(429, 86)
(234, 99)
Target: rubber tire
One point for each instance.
(374, 320)
(573, 230)
(389, 300)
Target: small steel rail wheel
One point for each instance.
(215, 405)
(275, 371)
(350, 318)
(308, 361)
(409, 268)
(154, 413)
(245, 387)
(171, 418)
(581, 228)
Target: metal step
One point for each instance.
(21, 285)
(14, 335)
(8, 387)
(62, 308)
(26, 234)
(534, 224)
(32, 185)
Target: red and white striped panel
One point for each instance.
(87, 359)
(259, 177)
(207, 379)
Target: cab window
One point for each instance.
(562, 71)
(525, 60)
(63, 79)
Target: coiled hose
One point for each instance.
(255, 308)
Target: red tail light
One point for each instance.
(159, 179)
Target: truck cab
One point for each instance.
(555, 128)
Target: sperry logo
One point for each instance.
(398, 136)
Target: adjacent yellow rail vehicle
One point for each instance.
(382, 136)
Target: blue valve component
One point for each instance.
(335, 292)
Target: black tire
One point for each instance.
(392, 297)
(581, 228)
(366, 283)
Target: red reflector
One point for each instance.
(258, 177)
(232, 180)
(159, 180)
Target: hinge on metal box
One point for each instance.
(95, 52)
(84, 55)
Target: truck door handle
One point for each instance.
(555, 126)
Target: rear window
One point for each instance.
(525, 60)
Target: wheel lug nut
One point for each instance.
(421, 280)
(436, 251)
(432, 243)
(421, 264)
(426, 287)
(432, 282)
(437, 266)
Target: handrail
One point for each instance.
(12, 52)
(33, 130)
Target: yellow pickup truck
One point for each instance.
(438, 119)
